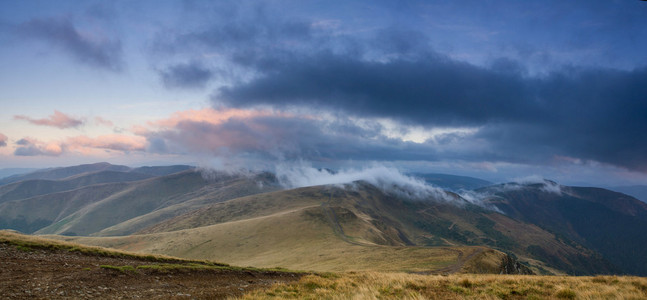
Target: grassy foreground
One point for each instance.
(375, 285)
(30, 242)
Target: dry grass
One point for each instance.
(30, 242)
(289, 239)
(374, 285)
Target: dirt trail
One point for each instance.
(462, 259)
(61, 274)
(333, 220)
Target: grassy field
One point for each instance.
(290, 239)
(30, 242)
(374, 284)
(379, 285)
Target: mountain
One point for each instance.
(250, 219)
(80, 170)
(333, 228)
(638, 191)
(122, 207)
(161, 170)
(316, 225)
(322, 228)
(61, 173)
(610, 223)
(35, 187)
(453, 182)
(6, 172)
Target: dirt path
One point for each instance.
(61, 274)
(333, 220)
(462, 259)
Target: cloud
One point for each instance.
(116, 142)
(523, 116)
(103, 122)
(33, 147)
(389, 180)
(3, 140)
(268, 136)
(588, 113)
(84, 46)
(547, 186)
(240, 29)
(80, 144)
(188, 76)
(429, 91)
(263, 133)
(58, 119)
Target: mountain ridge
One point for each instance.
(543, 224)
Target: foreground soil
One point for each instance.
(62, 274)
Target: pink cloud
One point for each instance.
(117, 142)
(211, 116)
(102, 121)
(33, 147)
(58, 119)
(228, 131)
(80, 144)
(3, 140)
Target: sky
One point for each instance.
(492, 89)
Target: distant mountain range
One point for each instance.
(250, 219)
(453, 182)
(638, 191)
(6, 172)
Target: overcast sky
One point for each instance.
(492, 89)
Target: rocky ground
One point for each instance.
(62, 274)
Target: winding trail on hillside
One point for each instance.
(332, 218)
(460, 262)
(462, 257)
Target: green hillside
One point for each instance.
(337, 228)
(249, 219)
(91, 209)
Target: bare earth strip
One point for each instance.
(62, 274)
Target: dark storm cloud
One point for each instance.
(429, 91)
(394, 72)
(189, 75)
(285, 137)
(596, 114)
(235, 35)
(238, 31)
(95, 51)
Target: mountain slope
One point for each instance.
(61, 173)
(249, 219)
(357, 219)
(6, 172)
(293, 229)
(40, 268)
(637, 191)
(453, 182)
(610, 223)
(93, 208)
(35, 187)
(162, 170)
